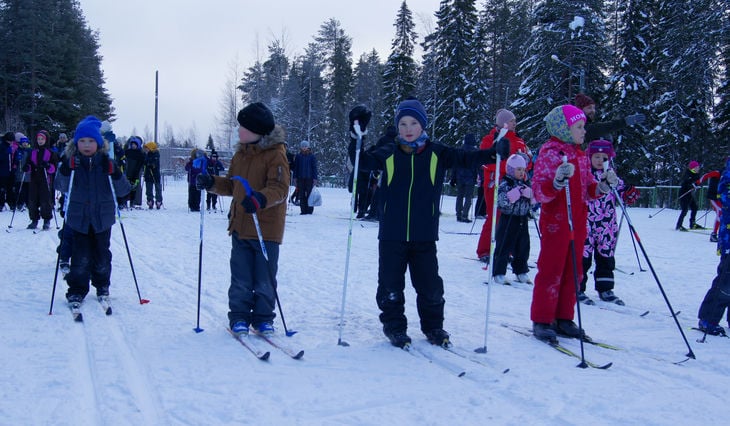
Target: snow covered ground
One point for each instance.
(144, 365)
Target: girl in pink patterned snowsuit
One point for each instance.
(553, 297)
(602, 230)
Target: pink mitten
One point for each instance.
(526, 192)
(513, 195)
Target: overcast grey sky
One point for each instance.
(193, 44)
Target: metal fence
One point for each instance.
(650, 196)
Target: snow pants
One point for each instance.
(485, 239)
(90, 259)
(717, 298)
(40, 200)
(513, 237)
(464, 193)
(251, 296)
(602, 276)
(420, 259)
(554, 294)
(687, 203)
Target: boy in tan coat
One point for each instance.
(258, 180)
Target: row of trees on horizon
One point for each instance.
(668, 59)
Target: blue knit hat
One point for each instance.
(413, 108)
(89, 127)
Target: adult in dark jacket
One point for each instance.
(152, 175)
(135, 164)
(413, 176)
(305, 176)
(687, 201)
(91, 209)
(465, 178)
(7, 177)
(602, 130)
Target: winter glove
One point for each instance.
(635, 119)
(452, 182)
(610, 177)
(562, 173)
(44, 165)
(503, 148)
(513, 195)
(630, 195)
(526, 192)
(26, 168)
(362, 114)
(204, 182)
(254, 202)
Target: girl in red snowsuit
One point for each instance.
(553, 297)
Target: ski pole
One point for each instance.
(124, 235)
(58, 257)
(17, 200)
(204, 165)
(493, 240)
(663, 208)
(272, 276)
(52, 195)
(571, 233)
(358, 147)
(690, 354)
(476, 210)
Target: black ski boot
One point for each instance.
(46, 224)
(544, 332)
(438, 337)
(33, 225)
(568, 328)
(398, 338)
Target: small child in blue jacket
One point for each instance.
(91, 208)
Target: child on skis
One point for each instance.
(413, 175)
(258, 180)
(561, 166)
(91, 209)
(152, 175)
(717, 299)
(514, 200)
(602, 229)
(40, 167)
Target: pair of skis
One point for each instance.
(562, 349)
(75, 308)
(253, 343)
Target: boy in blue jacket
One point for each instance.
(413, 175)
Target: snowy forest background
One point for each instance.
(666, 58)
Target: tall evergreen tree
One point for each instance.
(456, 105)
(722, 109)
(336, 48)
(578, 40)
(368, 88)
(50, 70)
(502, 34)
(685, 80)
(400, 73)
